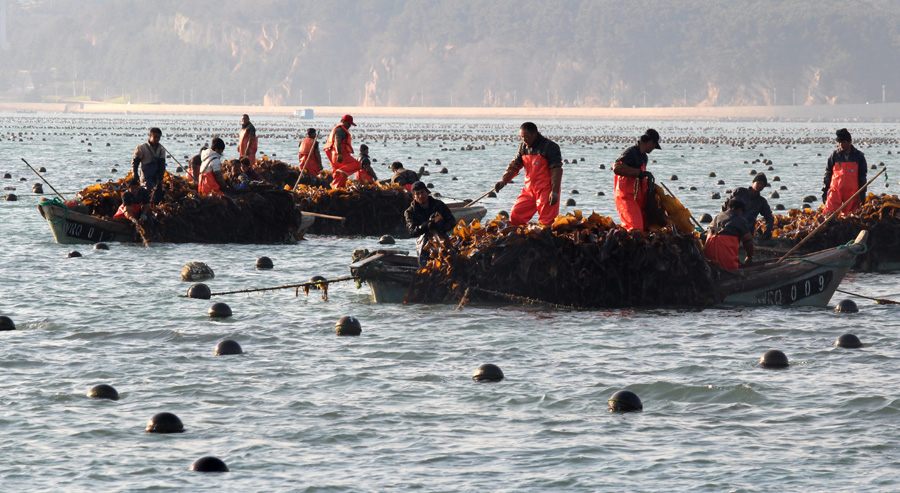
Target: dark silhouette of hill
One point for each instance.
(457, 53)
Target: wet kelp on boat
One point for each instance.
(879, 214)
(579, 261)
(260, 213)
(370, 209)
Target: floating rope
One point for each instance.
(879, 301)
(304, 285)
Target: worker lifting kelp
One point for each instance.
(585, 262)
(879, 214)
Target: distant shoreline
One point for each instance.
(888, 112)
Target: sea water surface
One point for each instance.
(396, 408)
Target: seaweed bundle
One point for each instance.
(260, 213)
(879, 214)
(370, 209)
(585, 262)
(282, 174)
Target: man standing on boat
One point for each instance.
(427, 217)
(845, 173)
(149, 163)
(542, 161)
(212, 179)
(310, 157)
(728, 230)
(365, 165)
(339, 150)
(754, 204)
(247, 141)
(631, 181)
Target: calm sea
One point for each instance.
(396, 408)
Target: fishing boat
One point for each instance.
(807, 280)
(879, 258)
(70, 226)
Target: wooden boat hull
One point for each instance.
(881, 258)
(70, 227)
(808, 280)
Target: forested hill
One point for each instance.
(455, 52)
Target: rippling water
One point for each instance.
(396, 408)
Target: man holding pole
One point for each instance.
(542, 161)
(845, 173)
(310, 157)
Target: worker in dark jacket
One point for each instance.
(754, 204)
(725, 235)
(845, 173)
(425, 218)
(403, 177)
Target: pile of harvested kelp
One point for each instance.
(585, 262)
(281, 174)
(256, 214)
(370, 209)
(879, 215)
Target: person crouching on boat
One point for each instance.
(212, 179)
(728, 230)
(631, 181)
(542, 161)
(135, 202)
(754, 204)
(425, 218)
(845, 173)
(365, 165)
(403, 177)
(149, 162)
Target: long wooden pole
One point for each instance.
(323, 216)
(479, 198)
(832, 216)
(43, 179)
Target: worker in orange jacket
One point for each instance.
(630, 181)
(339, 150)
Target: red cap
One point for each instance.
(348, 119)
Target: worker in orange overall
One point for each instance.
(310, 157)
(339, 150)
(542, 161)
(727, 232)
(247, 141)
(631, 181)
(845, 173)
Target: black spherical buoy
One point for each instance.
(73, 254)
(386, 240)
(574, 192)
(848, 341)
(601, 194)
(316, 279)
(625, 401)
(348, 326)
(199, 291)
(503, 215)
(101, 246)
(219, 310)
(673, 177)
(103, 391)
(774, 195)
(165, 423)
(264, 263)
(705, 218)
(11, 197)
(6, 323)
(779, 207)
(570, 202)
(810, 199)
(488, 372)
(712, 174)
(492, 194)
(209, 464)
(227, 347)
(715, 196)
(846, 306)
(773, 358)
